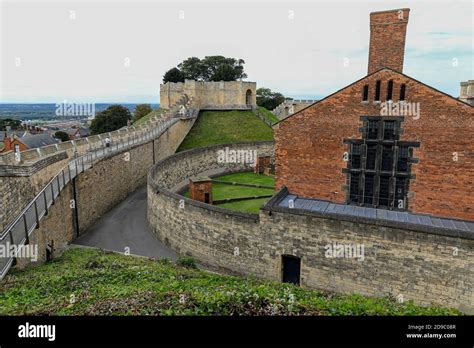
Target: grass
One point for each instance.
(268, 115)
(156, 112)
(223, 127)
(224, 191)
(93, 282)
(248, 178)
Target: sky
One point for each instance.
(118, 51)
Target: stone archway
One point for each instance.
(248, 97)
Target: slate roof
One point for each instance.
(38, 140)
(397, 219)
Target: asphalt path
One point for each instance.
(126, 226)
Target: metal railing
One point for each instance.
(17, 233)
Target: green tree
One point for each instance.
(211, 68)
(192, 68)
(173, 75)
(14, 124)
(63, 136)
(141, 110)
(223, 73)
(112, 118)
(268, 99)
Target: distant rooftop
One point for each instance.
(38, 140)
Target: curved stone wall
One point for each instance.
(403, 263)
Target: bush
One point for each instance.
(141, 110)
(112, 118)
(186, 261)
(268, 99)
(63, 136)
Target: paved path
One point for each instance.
(126, 226)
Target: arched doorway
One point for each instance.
(248, 97)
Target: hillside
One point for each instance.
(93, 282)
(222, 127)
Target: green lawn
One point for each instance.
(145, 118)
(223, 127)
(92, 282)
(271, 117)
(223, 191)
(248, 178)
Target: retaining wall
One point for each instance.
(424, 267)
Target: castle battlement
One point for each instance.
(210, 95)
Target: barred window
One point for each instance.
(379, 167)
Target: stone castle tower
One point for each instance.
(220, 95)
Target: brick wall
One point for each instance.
(310, 150)
(417, 265)
(387, 39)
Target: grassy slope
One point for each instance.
(108, 283)
(147, 117)
(222, 127)
(268, 114)
(223, 191)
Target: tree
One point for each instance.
(141, 110)
(268, 99)
(215, 66)
(63, 136)
(14, 124)
(112, 118)
(211, 68)
(173, 75)
(192, 68)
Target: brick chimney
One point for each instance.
(387, 39)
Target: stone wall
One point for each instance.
(20, 183)
(111, 180)
(56, 229)
(424, 267)
(209, 95)
(101, 187)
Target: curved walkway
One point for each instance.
(126, 226)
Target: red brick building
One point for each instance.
(347, 148)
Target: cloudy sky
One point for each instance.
(118, 51)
